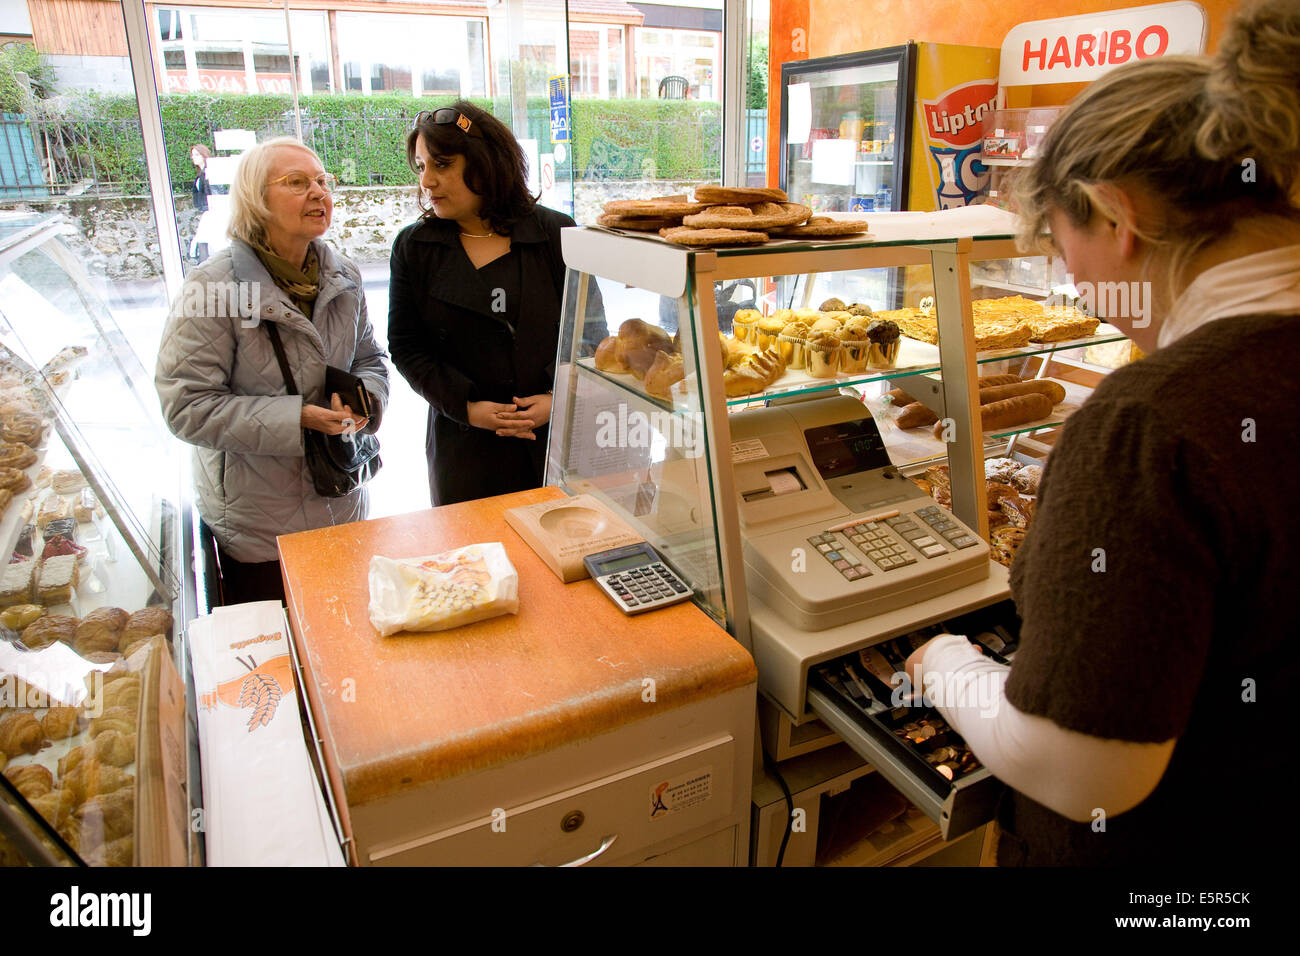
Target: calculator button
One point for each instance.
(925, 542)
(843, 565)
(833, 556)
(965, 541)
(679, 589)
(934, 550)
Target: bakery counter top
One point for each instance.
(397, 712)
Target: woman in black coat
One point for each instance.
(474, 306)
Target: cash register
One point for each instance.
(843, 553)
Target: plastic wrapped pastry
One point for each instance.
(442, 591)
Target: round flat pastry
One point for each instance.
(712, 237)
(763, 216)
(652, 208)
(824, 227)
(727, 195)
(645, 224)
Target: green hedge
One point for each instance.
(361, 139)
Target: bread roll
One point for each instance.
(639, 343)
(915, 415)
(608, 358)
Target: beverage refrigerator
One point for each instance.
(899, 128)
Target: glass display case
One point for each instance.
(738, 447)
(93, 727)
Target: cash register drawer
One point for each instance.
(949, 787)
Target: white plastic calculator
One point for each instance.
(636, 578)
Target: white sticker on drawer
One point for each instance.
(681, 792)
(748, 449)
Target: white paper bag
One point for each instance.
(441, 591)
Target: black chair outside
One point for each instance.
(674, 88)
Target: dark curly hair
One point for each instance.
(495, 167)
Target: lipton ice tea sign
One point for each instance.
(1081, 48)
(954, 131)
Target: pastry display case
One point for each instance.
(825, 475)
(93, 728)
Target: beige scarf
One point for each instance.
(301, 285)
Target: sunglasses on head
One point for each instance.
(448, 117)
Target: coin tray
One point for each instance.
(917, 734)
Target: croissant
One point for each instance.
(113, 718)
(91, 777)
(122, 693)
(73, 758)
(93, 636)
(61, 723)
(31, 781)
(114, 747)
(120, 852)
(146, 623)
(114, 617)
(20, 734)
(44, 631)
(56, 806)
(107, 817)
(4, 759)
(756, 373)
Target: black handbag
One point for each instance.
(339, 464)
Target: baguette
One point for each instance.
(1053, 390)
(987, 381)
(915, 415)
(1009, 412)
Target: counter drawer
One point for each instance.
(858, 704)
(614, 819)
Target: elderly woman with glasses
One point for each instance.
(474, 306)
(222, 387)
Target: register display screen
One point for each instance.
(847, 447)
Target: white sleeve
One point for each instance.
(1066, 771)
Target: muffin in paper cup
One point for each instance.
(768, 330)
(791, 344)
(854, 348)
(822, 354)
(744, 326)
(885, 344)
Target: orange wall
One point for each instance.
(805, 29)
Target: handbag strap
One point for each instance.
(276, 344)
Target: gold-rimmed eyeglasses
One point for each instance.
(448, 117)
(299, 183)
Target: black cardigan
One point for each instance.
(453, 348)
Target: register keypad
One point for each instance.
(941, 522)
(930, 531)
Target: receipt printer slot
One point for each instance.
(779, 481)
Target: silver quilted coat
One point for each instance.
(222, 391)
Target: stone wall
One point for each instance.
(116, 239)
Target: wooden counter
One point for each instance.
(398, 712)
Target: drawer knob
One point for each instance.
(572, 821)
